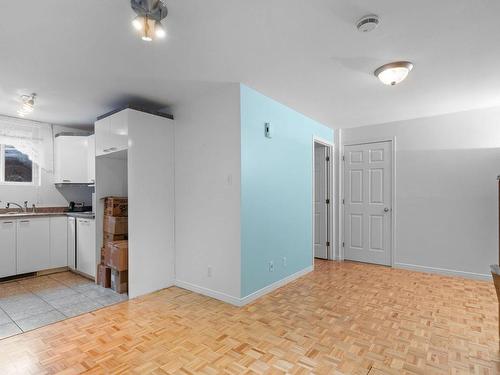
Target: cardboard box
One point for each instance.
(116, 255)
(119, 281)
(115, 225)
(108, 237)
(104, 276)
(116, 206)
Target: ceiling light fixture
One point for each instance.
(150, 13)
(393, 73)
(27, 104)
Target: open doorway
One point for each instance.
(322, 202)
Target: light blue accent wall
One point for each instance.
(276, 190)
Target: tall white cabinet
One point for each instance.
(143, 143)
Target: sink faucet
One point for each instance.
(18, 205)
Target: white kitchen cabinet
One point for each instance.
(71, 223)
(7, 248)
(58, 242)
(33, 244)
(85, 246)
(111, 133)
(91, 158)
(71, 159)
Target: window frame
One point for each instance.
(35, 172)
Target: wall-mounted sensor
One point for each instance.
(267, 130)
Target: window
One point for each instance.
(16, 167)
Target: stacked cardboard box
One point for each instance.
(113, 270)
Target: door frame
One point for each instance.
(331, 193)
(361, 141)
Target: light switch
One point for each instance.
(268, 130)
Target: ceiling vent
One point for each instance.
(368, 23)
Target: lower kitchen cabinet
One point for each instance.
(33, 245)
(58, 242)
(71, 248)
(85, 246)
(7, 248)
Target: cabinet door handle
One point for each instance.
(66, 180)
(24, 221)
(7, 222)
(109, 149)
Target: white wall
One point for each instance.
(207, 193)
(46, 194)
(446, 190)
(151, 203)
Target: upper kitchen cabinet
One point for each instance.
(91, 158)
(111, 133)
(71, 159)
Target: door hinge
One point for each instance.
(343, 157)
(343, 201)
(327, 158)
(343, 244)
(328, 201)
(328, 243)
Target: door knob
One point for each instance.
(386, 209)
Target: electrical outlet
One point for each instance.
(284, 261)
(271, 266)
(209, 271)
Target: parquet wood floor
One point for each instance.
(343, 318)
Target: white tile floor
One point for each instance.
(35, 302)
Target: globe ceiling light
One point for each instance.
(393, 73)
(27, 104)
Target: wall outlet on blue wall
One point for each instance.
(284, 262)
(271, 266)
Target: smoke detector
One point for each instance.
(368, 23)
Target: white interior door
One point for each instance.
(320, 201)
(368, 202)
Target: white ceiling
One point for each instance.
(83, 58)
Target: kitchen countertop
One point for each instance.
(21, 215)
(18, 215)
(85, 215)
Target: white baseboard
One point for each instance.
(443, 271)
(208, 292)
(275, 285)
(245, 300)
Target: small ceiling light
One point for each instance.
(393, 73)
(160, 30)
(27, 104)
(138, 23)
(147, 32)
(148, 19)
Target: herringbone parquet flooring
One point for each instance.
(343, 318)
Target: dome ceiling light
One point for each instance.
(393, 73)
(27, 104)
(150, 13)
